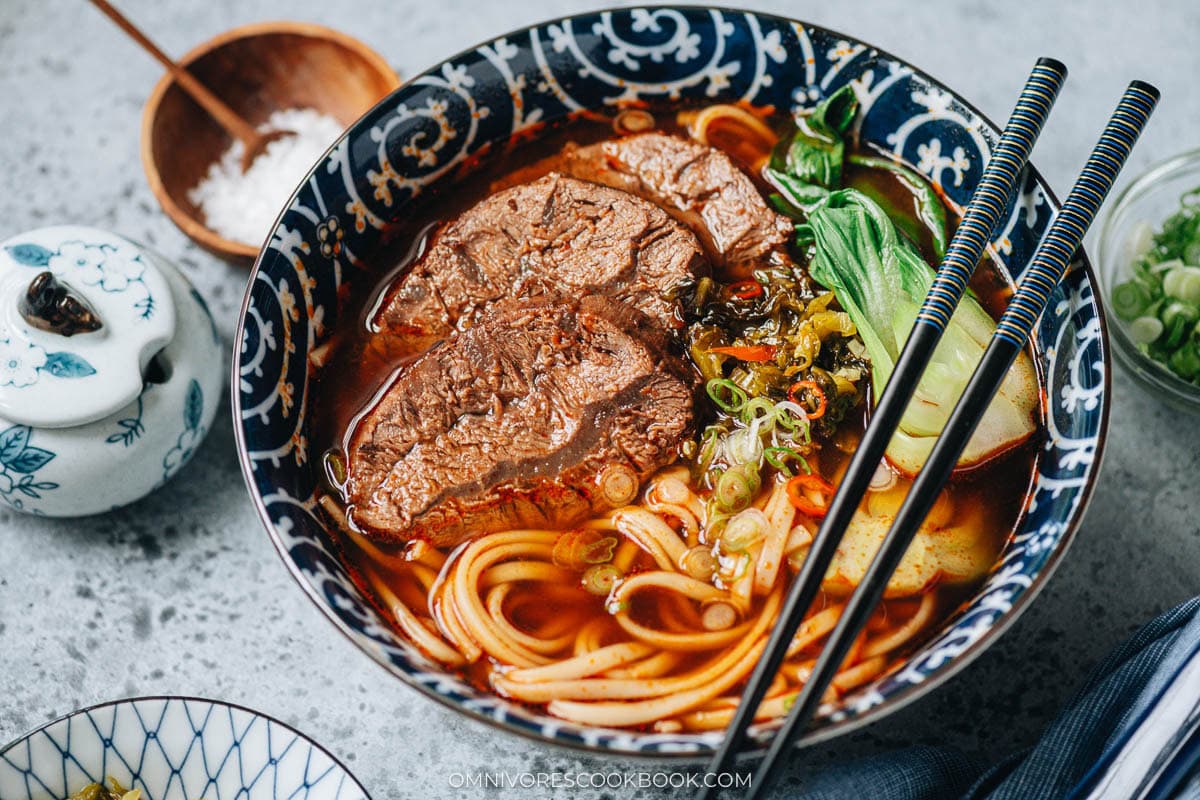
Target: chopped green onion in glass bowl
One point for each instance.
(1149, 254)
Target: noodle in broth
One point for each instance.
(645, 616)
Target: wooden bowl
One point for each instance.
(257, 69)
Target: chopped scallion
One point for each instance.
(601, 579)
(1130, 300)
(744, 530)
(778, 457)
(1145, 330)
(1160, 302)
(736, 487)
(726, 394)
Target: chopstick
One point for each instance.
(980, 218)
(1049, 264)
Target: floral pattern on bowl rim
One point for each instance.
(539, 74)
(173, 748)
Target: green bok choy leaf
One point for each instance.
(857, 251)
(807, 166)
(881, 280)
(816, 151)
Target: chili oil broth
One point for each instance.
(358, 364)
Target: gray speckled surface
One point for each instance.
(182, 592)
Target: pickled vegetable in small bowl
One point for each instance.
(1149, 254)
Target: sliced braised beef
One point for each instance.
(554, 234)
(697, 184)
(512, 422)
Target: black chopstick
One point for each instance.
(982, 214)
(1049, 264)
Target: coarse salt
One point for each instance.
(243, 205)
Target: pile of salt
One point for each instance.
(242, 205)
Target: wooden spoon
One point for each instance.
(253, 141)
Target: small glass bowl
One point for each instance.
(1151, 198)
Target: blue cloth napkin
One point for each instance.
(1072, 753)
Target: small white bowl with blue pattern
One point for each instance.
(173, 748)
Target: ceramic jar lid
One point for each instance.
(79, 323)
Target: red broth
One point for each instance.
(988, 500)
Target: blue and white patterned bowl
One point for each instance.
(173, 748)
(419, 134)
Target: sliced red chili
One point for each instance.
(746, 290)
(798, 489)
(813, 389)
(757, 352)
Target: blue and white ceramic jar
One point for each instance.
(110, 370)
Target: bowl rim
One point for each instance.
(188, 699)
(193, 228)
(1155, 378)
(831, 730)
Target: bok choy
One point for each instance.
(880, 279)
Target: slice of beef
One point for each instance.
(699, 185)
(510, 423)
(554, 234)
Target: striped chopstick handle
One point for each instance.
(988, 202)
(970, 239)
(1066, 232)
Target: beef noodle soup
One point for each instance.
(580, 437)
